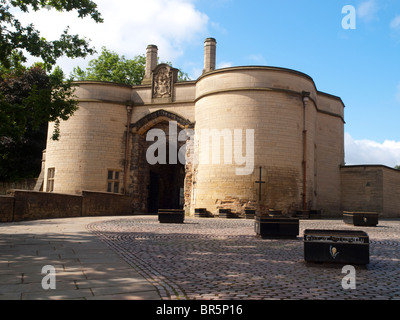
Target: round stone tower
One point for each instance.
(92, 141)
(267, 116)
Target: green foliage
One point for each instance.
(112, 67)
(16, 37)
(397, 167)
(22, 160)
(29, 99)
(183, 76)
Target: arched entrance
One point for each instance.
(158, 185)
(166, 185)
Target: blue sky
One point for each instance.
(362, 65)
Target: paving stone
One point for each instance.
(116, 258)
(77, 256)
(208, 258)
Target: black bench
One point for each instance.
(171, 215)
(227, 214)
(315, 214)
(361, 219)
(250, 213)
(303, 214)
(274, 213)
(276, 227)
(201, 213)
(336, 246)
(309, 214)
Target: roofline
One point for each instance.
(369, 166)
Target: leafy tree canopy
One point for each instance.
(29, 99)
(14, 37)
(397, 167)
(112, 67)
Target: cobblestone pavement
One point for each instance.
(223, 259)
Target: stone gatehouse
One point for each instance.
(297, 153)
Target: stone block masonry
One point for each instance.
(290, 130)
(6, 208)
(21, 205)
(371, 188)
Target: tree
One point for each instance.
(29, 99)
(397, 167)
(15, 38)
(112, 67)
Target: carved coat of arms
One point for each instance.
(162, 83)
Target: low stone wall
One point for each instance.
(372, 188)
(26, 184)
(22, 205)
(6, 208)
(105, 204)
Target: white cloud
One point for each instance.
(367, 10)
(224, 64)
(371, 152)
(257, 58)
(130, 25)
(395, 23)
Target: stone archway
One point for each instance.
(160, 185)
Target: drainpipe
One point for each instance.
(127, 140)
(305, 98)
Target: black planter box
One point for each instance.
(303, 214)
(201, 213)
(171, 216)
(361, 219)
(274, 213)
(227, 214)
(315, 214)
(250, 213)
(336, 246)
(276, 228)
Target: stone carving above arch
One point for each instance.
(152, 119)
(164, 77)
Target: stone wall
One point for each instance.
(268, 101)
(371, 188)
(92, 141)
(105, 204)
(21, 205)
(31, 205)
(6, 208)
(391, 192)
(26, 184)
(329, 156)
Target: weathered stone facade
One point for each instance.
(298, 135)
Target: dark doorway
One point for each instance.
(154, 188)
(166, 187)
